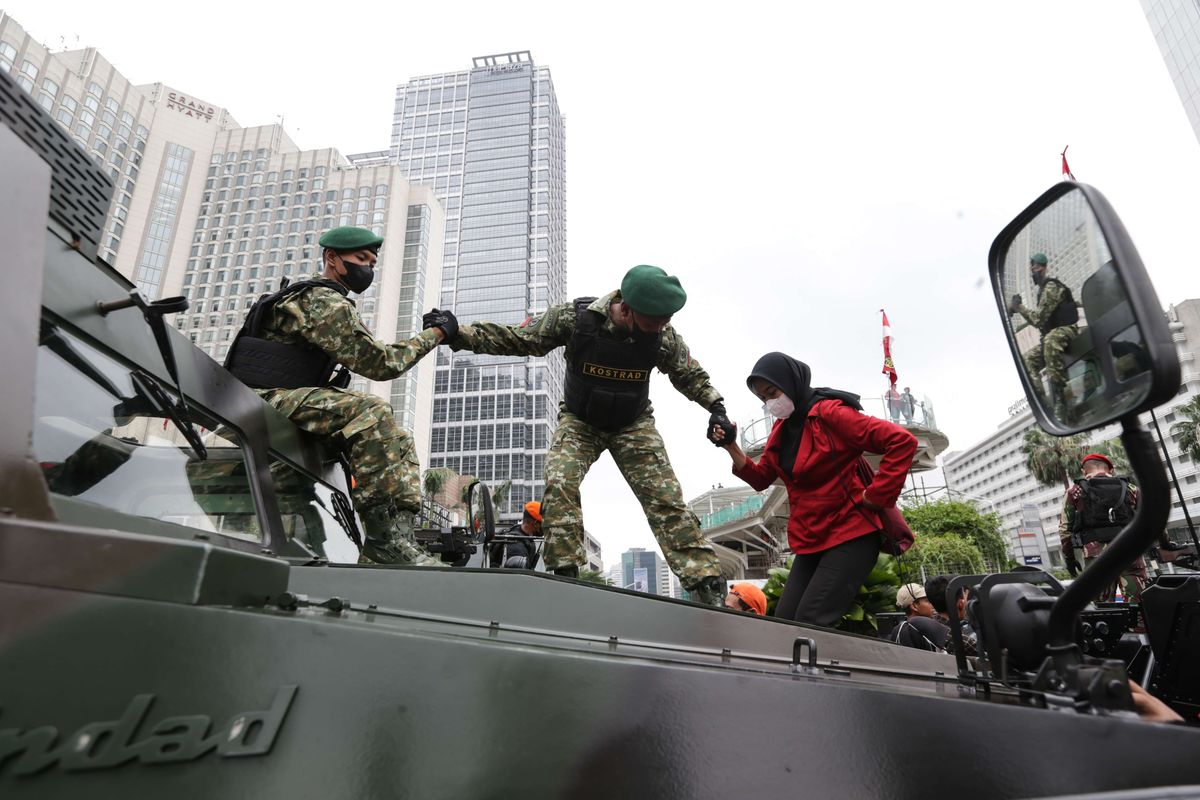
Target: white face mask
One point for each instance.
(780, 407)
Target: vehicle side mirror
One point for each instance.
(1083, 321)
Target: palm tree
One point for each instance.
(1188, 429)
(500, 495)
(1116, 454)
(435, 481)
(1053, 459)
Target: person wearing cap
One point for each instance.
(1055, 318)
(935, 590)
(612, 344)
(288, 351)
(748, 598)
(919, 629)
(1096, 508)
(519, 551)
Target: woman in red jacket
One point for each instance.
(814, 447)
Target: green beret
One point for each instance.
(651, 291)
(1039, 258)
(348, 238)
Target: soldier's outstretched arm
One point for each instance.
(534, 337)
(330, 322)
(1051, 297)
(685, 372)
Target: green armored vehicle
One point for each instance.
(167, 628)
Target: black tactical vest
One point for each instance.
(1065, 314)
(1104, 509)
(608, 381)
(263, 364)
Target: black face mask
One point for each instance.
(358, 277)
(640, 336)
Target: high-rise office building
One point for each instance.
(642, 571)
(1176, 27)
(221, 213)
(489, 141)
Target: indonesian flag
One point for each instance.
(1066, 170)
(889, 367)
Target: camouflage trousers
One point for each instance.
(1048, 355)
(383, 458)
(642, 459)
(1132, 580)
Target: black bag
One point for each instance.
(1105, 508)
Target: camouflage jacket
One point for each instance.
(329, 320)
(540, 335)
(1050, 296)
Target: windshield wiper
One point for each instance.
(148, 389)
(153, 314)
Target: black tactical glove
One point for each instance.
(445, 320)
(717, 417)
(1073, 566)
(1014, 304)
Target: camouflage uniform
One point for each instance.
(1133, 579)
(382, 456)
(637, 448)
(1048, 353)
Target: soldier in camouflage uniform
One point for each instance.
(612, 345)
(317, 324)
(1055, 318)
(1133, 579)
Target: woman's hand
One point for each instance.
(867, 504)
(716, 435)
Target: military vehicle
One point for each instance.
(169, 630)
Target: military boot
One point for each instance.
(569, 571)
(388, 539)
(710, 591)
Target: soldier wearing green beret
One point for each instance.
(612, 344)
(290, 351)
(1055, 318)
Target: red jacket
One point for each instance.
(824, 489)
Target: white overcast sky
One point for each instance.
(798, 168)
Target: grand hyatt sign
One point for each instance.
(189, 107)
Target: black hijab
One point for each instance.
(793, 377)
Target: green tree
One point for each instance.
(1188, 428)
(948, 553)
(435, 481)
(1053, 460)
(591, 576)
(961, 519)
(1116, 454)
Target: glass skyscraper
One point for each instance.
(1176, 27)
(490, 142)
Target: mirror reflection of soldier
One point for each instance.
(1054, 318)
(612, 345)
(1094, 511)
(298, 338)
